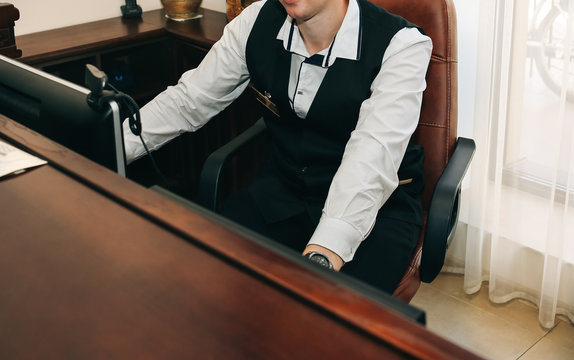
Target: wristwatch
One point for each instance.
(320, 259)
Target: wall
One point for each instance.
(40, 15)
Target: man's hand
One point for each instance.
(335, 259)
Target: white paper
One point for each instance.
(14, 160)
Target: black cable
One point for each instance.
(96, 81)
(135, 125)
(154, 164)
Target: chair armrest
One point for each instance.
(210, 177)
(443, 211)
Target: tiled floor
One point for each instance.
(494, 331)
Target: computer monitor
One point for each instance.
(58, 109)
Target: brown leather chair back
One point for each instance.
(436, 131)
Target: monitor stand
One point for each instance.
(118, 138)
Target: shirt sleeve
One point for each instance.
(200, 93)
(367, 175)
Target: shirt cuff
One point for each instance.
(337, 236)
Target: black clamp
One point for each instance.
(97, 81)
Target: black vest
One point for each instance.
(304, 154)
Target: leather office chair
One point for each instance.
(446, 157)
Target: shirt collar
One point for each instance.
(346, 44)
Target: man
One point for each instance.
(345, 79)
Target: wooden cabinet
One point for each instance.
(141, 57)
(141, 70)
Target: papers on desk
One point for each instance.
(15, 161)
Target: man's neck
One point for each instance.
(319, 31)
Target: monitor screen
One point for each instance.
(58, 109)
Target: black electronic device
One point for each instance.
(131, 9)
(59, 110)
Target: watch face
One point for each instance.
(320, 259)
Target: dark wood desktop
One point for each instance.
(95, 265)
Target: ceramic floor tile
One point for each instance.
(518, 312)
(471, 327)
(548, 350)
(449, 283)
(563, 334)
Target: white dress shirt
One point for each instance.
(368, 173)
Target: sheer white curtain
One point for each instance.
(518, 202)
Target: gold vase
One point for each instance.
(182, 10)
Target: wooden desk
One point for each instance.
(96, 266)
